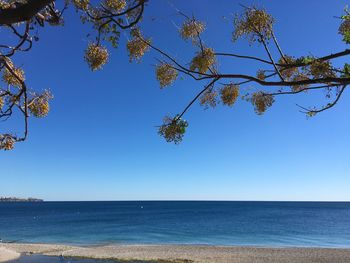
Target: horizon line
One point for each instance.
(199, 200)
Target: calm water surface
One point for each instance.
(213, 223)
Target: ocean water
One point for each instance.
(276, 224)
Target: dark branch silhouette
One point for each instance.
(275, 75)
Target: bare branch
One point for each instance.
(312, 112)
(22, 12)
(197, 96)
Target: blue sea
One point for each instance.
(272, 224)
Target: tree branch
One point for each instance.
(328, 106)
(22, 12)
(196, 97)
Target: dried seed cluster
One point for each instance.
(4, 4)
(115, 5)
(81, 4)
(321, 69)
(203, 60)
(260, 74)
(299, 87)
(2, 102)
(166, 74)
(344, 30)
(229, 94)
(39, 106)
(253, 23)
(191, 29)
(261, 102)
(286, 71)
(13, 77)
(7, 143)
(137, 46)
(96, 56)
(173, 129)
(208, 99)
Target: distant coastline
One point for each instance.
(16, 199)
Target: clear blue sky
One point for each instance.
(99, 141)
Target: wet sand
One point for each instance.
(187, 253)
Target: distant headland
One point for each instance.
(16, 199)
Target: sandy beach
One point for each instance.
(8, 254)
(182, 253)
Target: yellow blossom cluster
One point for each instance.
(229, 94)
(203, 60)
(137, 46)
(208, 99)
(191, 29)
(96, 56)
(166, 74)
(254, 24)
(261, 101)
(115, 5)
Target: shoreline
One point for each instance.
(125, 244)
(182, 253)
(8, 254)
